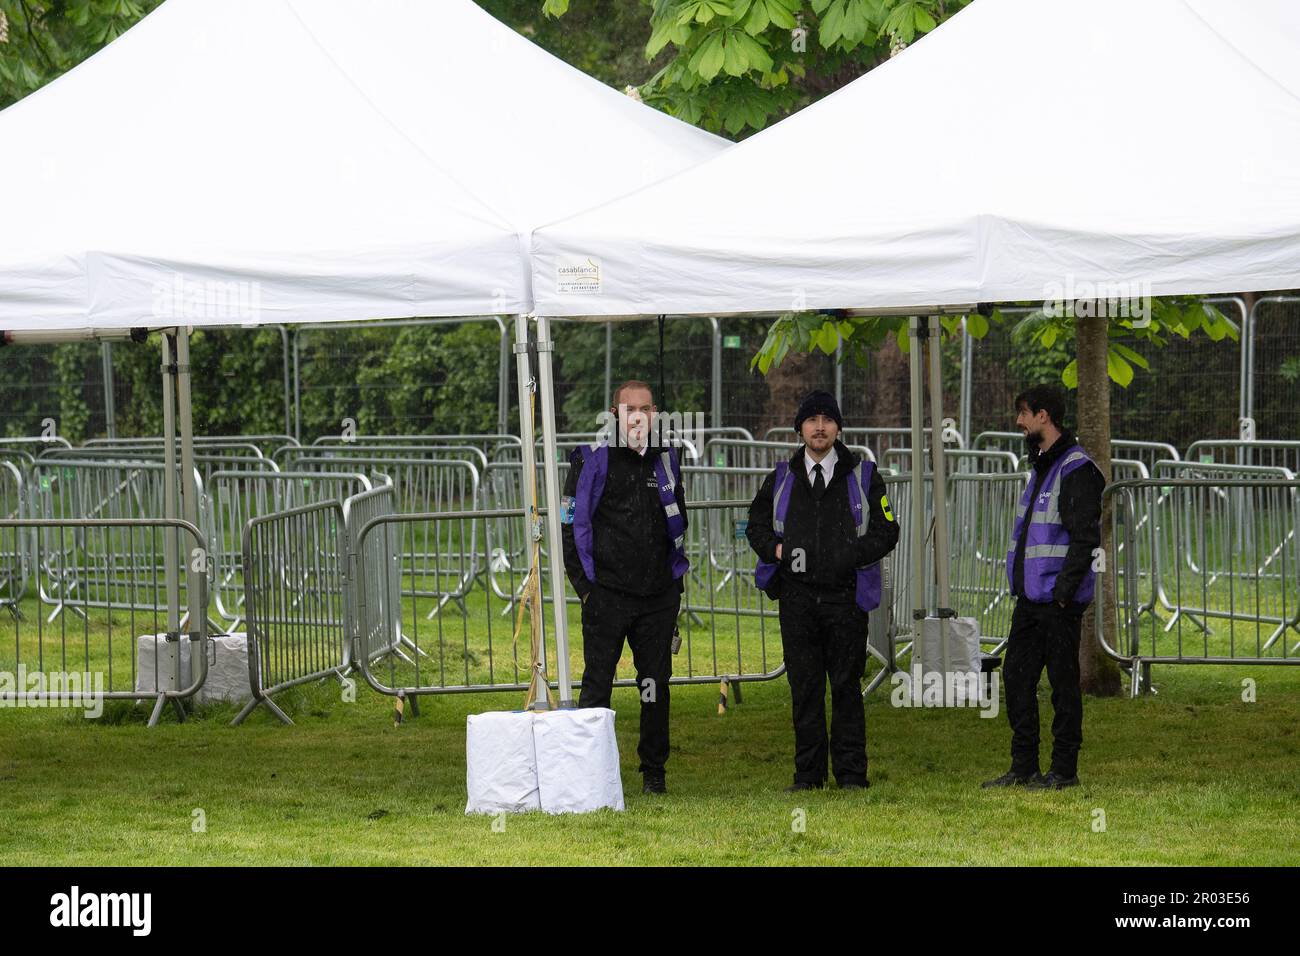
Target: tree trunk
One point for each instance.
(1098, 674)
(787, 384)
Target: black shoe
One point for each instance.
(1053, 781)
(800, 785)
(1011, 779)
(854, 784)
(654, 783)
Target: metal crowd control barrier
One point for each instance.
(963, 461)
(687, 450)
(982, 518)
(489, 444)
(22, 460)
(54, 441)
(206, 462)
(1268, 454)
(724, 431)
(714, 548)
(13, 555)
(422, 484)
(133, 452)
(379, 454)
(1013, 442)
(376, 626)
(119, 563)
(727, 631)
(737, 453)
(1251, 594)
(265, 444)
(879, 440)
(1214, 540)
(295, 576)
(235, 497)
(428, 485)
(1147, 561)
(70, 489)
(1146, 452)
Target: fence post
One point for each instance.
(110, 409)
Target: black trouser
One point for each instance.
(825, 641)
(1044, 634)
(647, 622)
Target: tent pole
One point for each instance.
(190, 503)
(284, 351)
(170, 538)
(967, 377)
(609, 364)
(297, 388)
(503, 380)
(919, 603)
(943, 608)
(110, 410)
(528, 454)
(716, 397)
(555, 539)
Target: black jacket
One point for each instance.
(630, 543)
(1080, 505)
(823, 529)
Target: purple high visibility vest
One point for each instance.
(1047, 541)
(867, 589)
(591, 485)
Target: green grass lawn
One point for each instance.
(1191, 776)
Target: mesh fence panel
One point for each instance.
(1277, 369)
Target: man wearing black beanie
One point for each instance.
(820, 525)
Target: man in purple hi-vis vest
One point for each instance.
(1049, 568)
(624, 523)
(820, 525)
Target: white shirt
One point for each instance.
(827, 463)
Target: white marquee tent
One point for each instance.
(353, 161)
(1024, 149)
(287, 161)
(1023, 143)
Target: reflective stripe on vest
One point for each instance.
(591, 486)
(1047, 542)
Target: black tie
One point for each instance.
(819, 482)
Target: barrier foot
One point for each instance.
(179, 707)
(885, 672)
(411, 644)
(1279, 631)
(253, 704)
(157, 710)
(1191, 617)
(1135, 679)
(415, 704)
(244, 712)
(273, 708)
